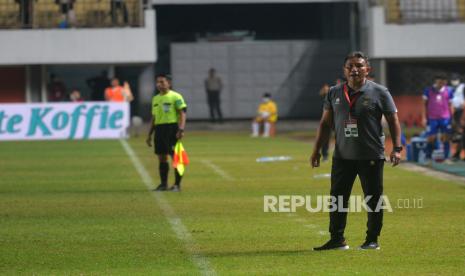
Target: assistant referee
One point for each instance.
(168, 122)
(354, 110)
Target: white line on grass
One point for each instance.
(430, 172)
(218, 170)
(176, 224)
(311, 226)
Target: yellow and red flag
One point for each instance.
(180, 158)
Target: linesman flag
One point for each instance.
(180, 158)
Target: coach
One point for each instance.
(354, 109)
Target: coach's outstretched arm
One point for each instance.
(394, 129)
(322, 136)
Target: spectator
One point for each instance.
(437, 114)
(56, 89)
(457, 104)
(98, 85)
(25, 9)
(213, 86)
(75, 96)
(267, 114)
(119, 6)
(67, 13)
(118, 93)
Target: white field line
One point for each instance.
(176, 224)
(311, 226)
(303, 221)
(218, 170)
(456, 179)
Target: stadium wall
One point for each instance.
(292, 71)
(80, 46)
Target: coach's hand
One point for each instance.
(315, 159)
(180, 134)
(395, 158)
(149, 141)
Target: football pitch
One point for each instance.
(84, 208)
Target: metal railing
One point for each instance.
(424, 11)
(70, 13)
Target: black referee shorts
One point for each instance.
(165, 138)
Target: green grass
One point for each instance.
(80, 207)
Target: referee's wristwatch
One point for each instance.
(398, 149)
(181, 130)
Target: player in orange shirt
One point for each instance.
(118, 93)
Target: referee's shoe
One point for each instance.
(161, 188)
(333, 244)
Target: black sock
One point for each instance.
(163, 168)
(177, 178)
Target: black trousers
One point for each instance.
(214, 104)
(343, 175)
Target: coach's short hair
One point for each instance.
(163, 75)
(357, 54)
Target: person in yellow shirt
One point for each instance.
(267, 114)
(168, 122)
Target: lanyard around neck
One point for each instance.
(354, 99)
(349, 101)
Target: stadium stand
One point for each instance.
(95, 13)
(46, 14)
(89, 14)
(461, 9)
(9, 14)
(412, 11)
(393, 14)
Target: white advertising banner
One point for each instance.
(53, 121)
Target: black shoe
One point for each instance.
(367, 245)
(175, 188)
(333, 244)
(160, 188)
